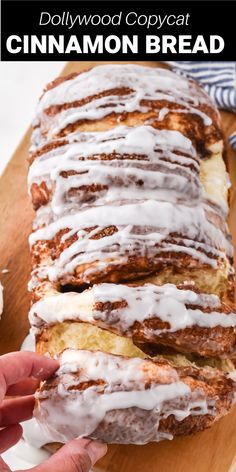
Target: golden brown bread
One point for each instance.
(203, 325)
(130, 253)
(203, 136)
(169, 400)
(130, 187)
(208, 342)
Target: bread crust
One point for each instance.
(137, 425)
(207, 342)
(110, 145)
(202, 136)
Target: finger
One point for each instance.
(76, 456)
(18, 366)
(25, 387)
(9, 437)
(16, 410)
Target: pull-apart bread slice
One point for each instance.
(122, 400)
(132, 263)
(167, 316)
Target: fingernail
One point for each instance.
(96, 450)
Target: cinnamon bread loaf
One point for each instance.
(132, 263)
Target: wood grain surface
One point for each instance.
(213, 450)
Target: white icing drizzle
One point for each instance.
(166, 302)
(113, 76)
(28, 343)
(124, 203)
(80, 413)
(189, 222)
(163, 168)
(102, 366)
(169, 200)
(232, 376)
(145, 83)
(35, 439)
(24, 456)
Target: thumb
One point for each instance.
(3, 466)
(78, 455)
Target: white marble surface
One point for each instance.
(21, 83)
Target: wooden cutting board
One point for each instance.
(213, 450)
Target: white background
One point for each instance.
(21, 84)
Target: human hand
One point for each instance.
(20, 374)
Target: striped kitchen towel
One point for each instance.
(217, 77)
(232, 140)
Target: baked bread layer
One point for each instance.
(132, 262)
(121, 242)
(102, 97)
(124, 162)
(165, 316)
(123, 400)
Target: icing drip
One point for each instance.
(81, 412)
(146, 201)
(167, 302)
(155, 200)
(140, 84)
(197, 235)
(148, 163)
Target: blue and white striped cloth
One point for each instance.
(217, 77)
(232, 140)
